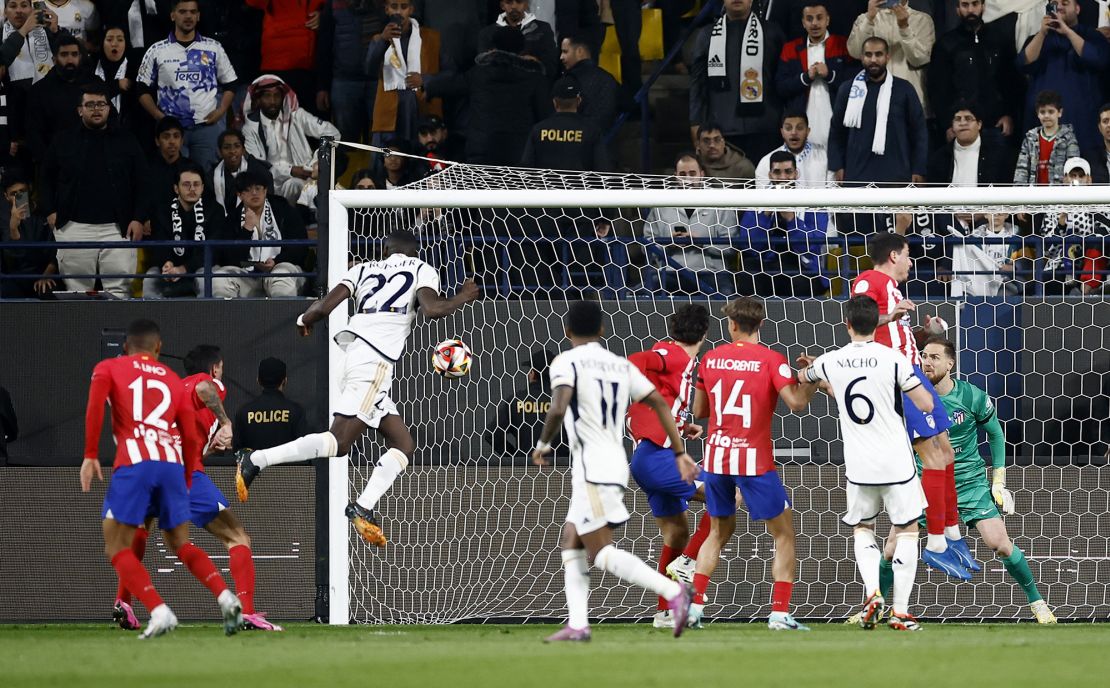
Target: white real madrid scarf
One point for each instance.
(121, 73)
(35, 58)
(751, 58)
(267, 230)
(399, 63)
(178, 224)
(857, 97)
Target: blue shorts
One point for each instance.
(656, 473)
(205, 502)
(919, 424)
(764, 495)
(137, 489)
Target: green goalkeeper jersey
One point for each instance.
(970, 408)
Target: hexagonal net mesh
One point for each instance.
(474, 529)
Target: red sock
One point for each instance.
(668, 555)
(952, 507)
(701, 584)
(698, 537)
(780, 596)
(933, 483)
(138, 546)
(135, 578)
(242, 570)
(202, 568)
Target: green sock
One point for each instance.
(886, 578)
(1018, 568)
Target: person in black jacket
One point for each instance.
(539, 37)
(566, 140)
(21, 222)
(52, 103)
(269, 419)
(600, 91)
(974, 63)
(162, 167)
(192, 214)
(234, 158)
(508, 94)
(975, 157)
(92, 180)
(261, 270)
(1099, 158)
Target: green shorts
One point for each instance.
(974, 501)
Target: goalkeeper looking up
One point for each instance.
(979, 501)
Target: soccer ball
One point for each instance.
(451, 358)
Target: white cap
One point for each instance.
(1072, 163)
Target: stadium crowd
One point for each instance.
(168, 120)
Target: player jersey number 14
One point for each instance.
(744, 410)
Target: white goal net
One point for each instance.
(473, 529)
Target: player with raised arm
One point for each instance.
(971, 409)
(596, 385)
(869, 381)
(387, 294)
(157, 449)
(739, 385)
(945, 548)
(208, 508)
(669, 366)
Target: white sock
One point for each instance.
(576, 574)
(389, 467)
(320, 445)
(905, 570)
(936, 542)
(868, 555)
(629, 567)
(952, 532)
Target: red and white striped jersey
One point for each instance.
(897, 334)
(207, 424)
(152, 419)
(742, 383)
(671, 370)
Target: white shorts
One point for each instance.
(364, 388)
(904, 503)
(593, 507)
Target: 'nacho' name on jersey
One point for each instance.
(740, 366)
(858, 362)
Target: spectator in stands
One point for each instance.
(810, 71)
(1075, 269)
(397, 170)
(600, 91)
(165, 163)
(277, 131)
(52, 103)
(539, 38)
(973, 157)
(581, 20)
(811, 162)
(781, 252)
(719, 158)
(233, 160)
(516, 428)
(269, 419)
(878, 128)
(92, 183)
(1099, 156)
(363, 180)
(80, 19)
(692, 268)
(289, 43)
(192, 215)
(908, 33)
(790, 15)
(732, 77)
(1070, 58)
(25, 224)
(458, 22)
(344, 85)
(974, 64)
(566, 140)
(111, 66)
(509, 93)
(28, 56)
(432, 142)
(188, 58)
(987, 269)
(261, 270)
(408, 64)
(1046, 148)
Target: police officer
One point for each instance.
(566, 140)
(520, 418)
(269, 419)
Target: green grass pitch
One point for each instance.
(734, 655)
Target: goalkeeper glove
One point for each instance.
(1001, 496)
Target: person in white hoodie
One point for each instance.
(277, 131)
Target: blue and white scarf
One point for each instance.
(857, 97)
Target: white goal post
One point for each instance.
(449, 516)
